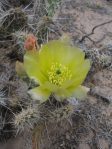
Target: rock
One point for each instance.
(103, 78)
(107, 111)
(102, 81)
(103, 92)
(84, 146)
(103, 144)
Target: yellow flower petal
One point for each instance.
(40, 94)
(80, 92)
(31, 66)
(78, 75)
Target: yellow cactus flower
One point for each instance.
(59, 68)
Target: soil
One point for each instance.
(90, 124)
(78, 18)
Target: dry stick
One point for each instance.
(92, 32)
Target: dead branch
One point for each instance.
(93, 30)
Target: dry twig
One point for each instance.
(93, 30)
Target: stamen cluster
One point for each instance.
(58, 74)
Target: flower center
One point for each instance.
(58, 74)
